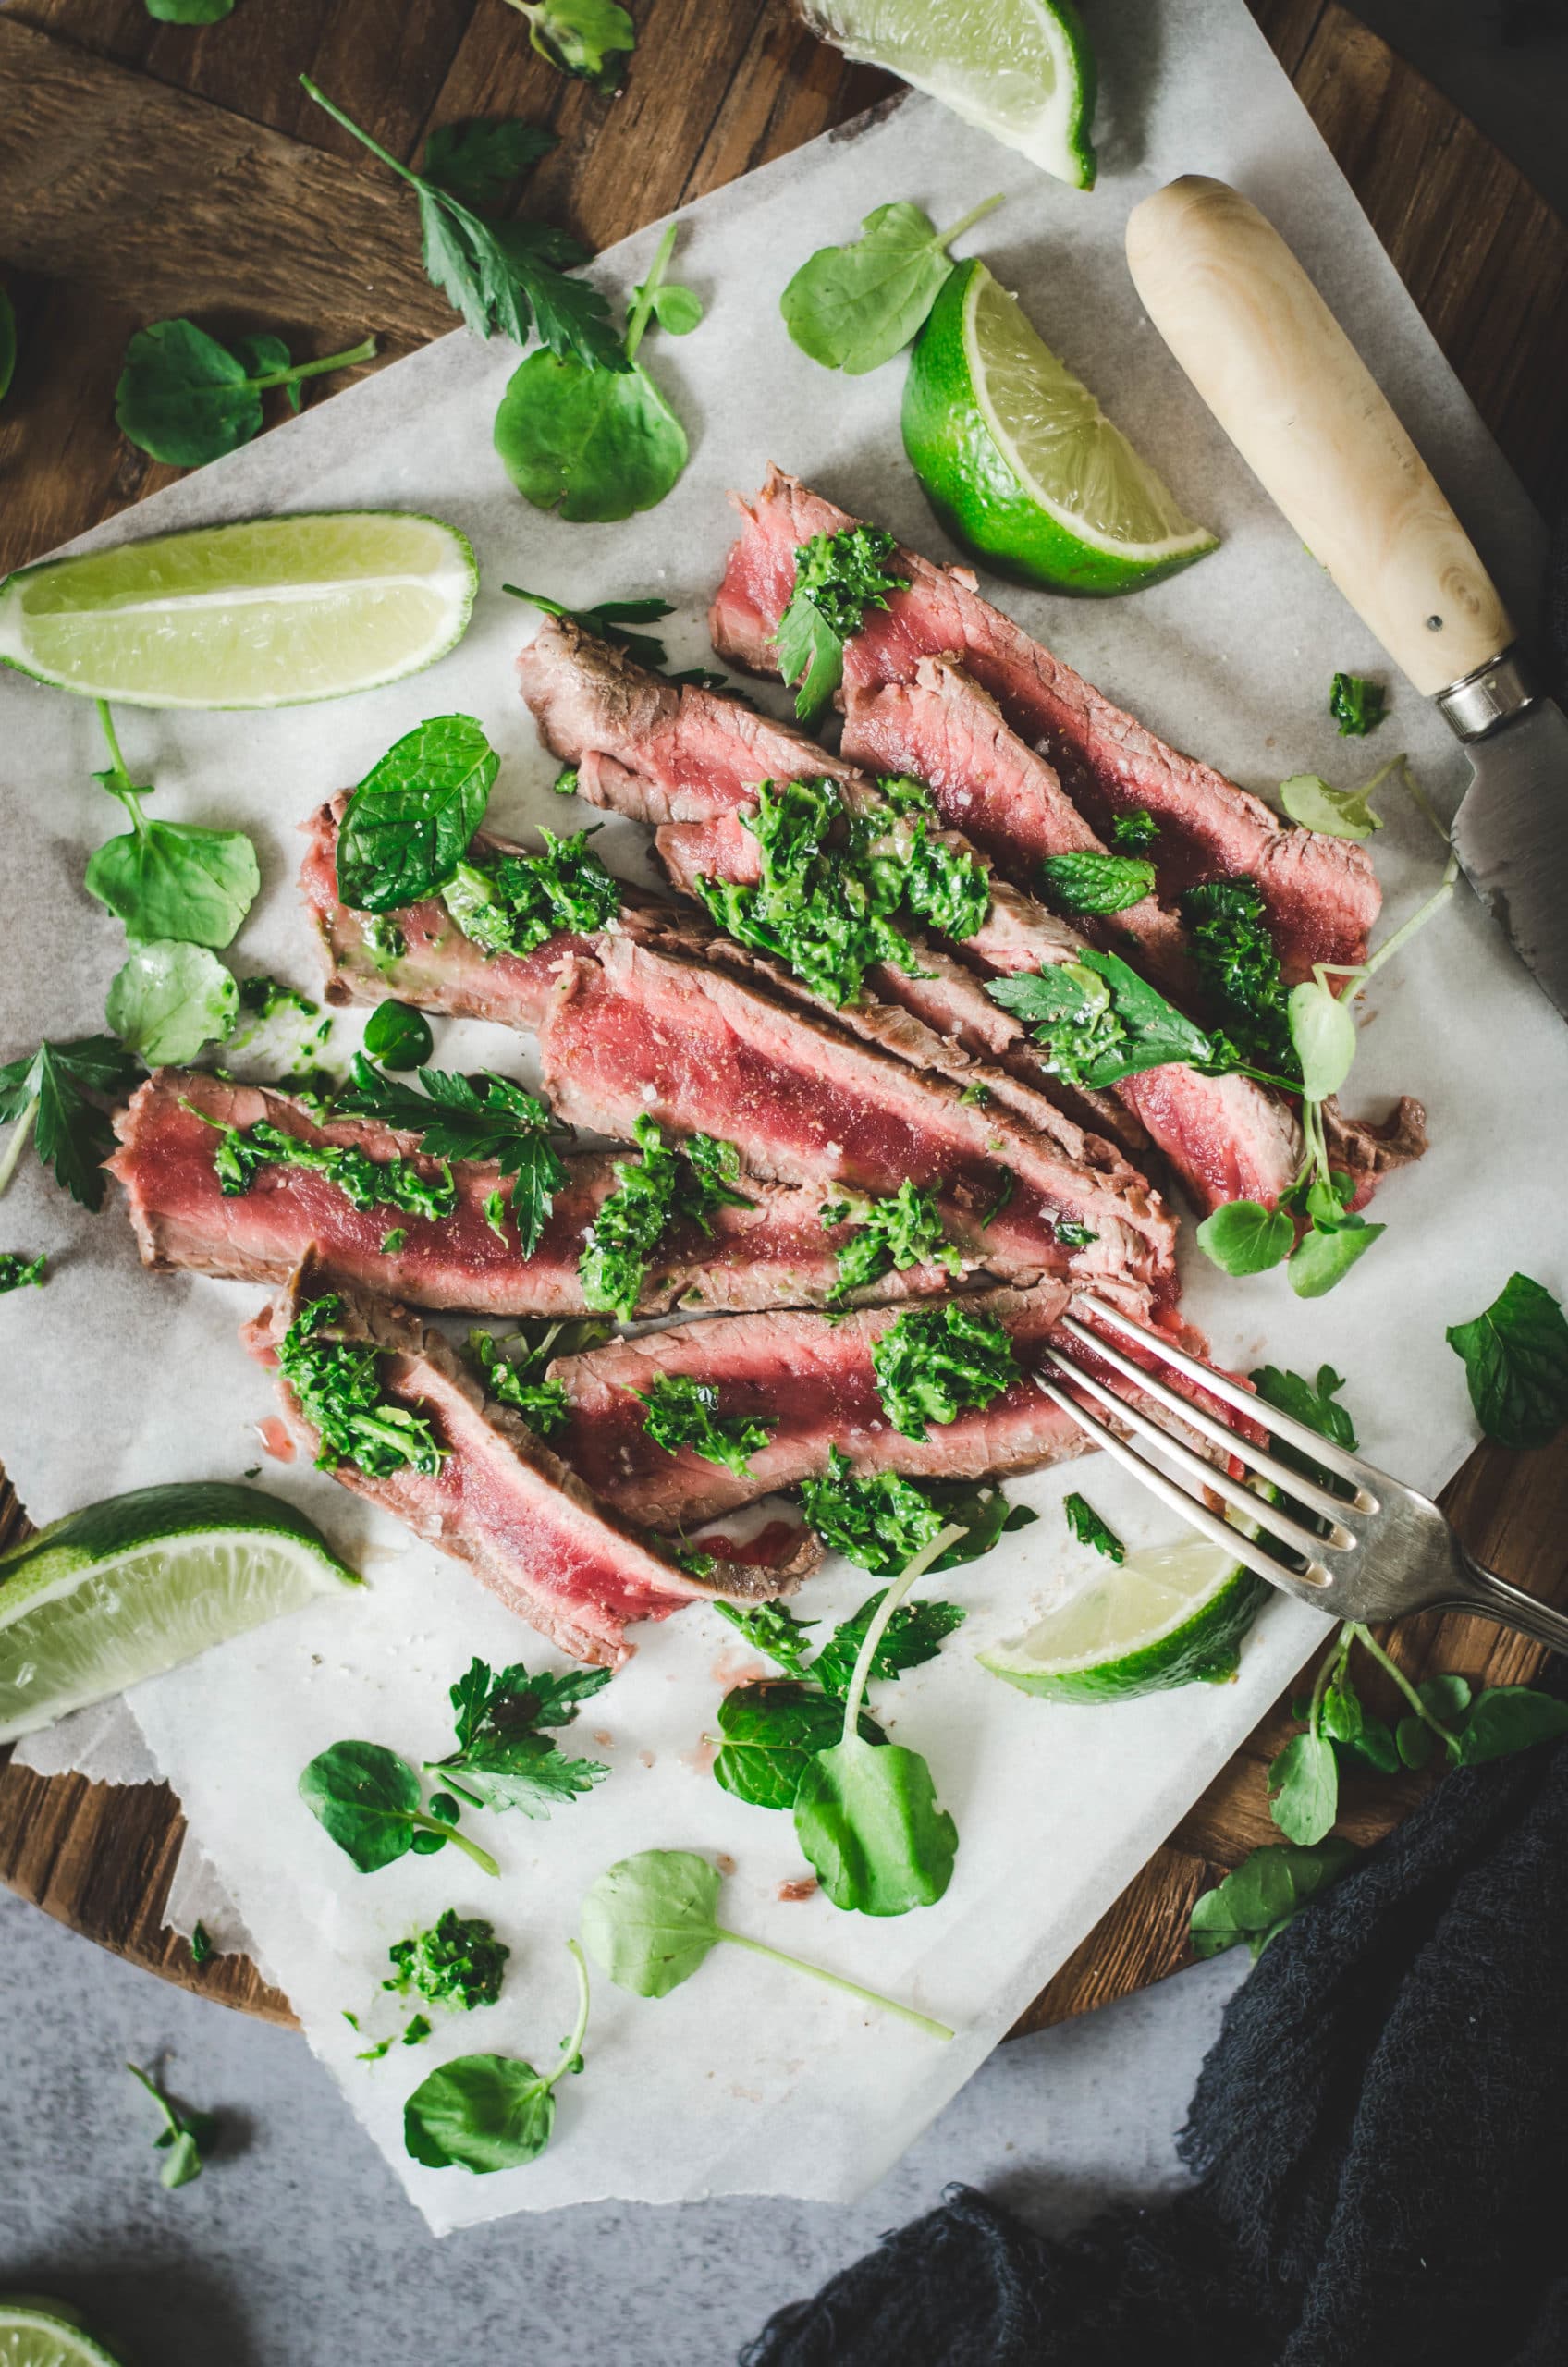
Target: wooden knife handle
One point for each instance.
(1302, 408)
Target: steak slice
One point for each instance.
(1321, 893)
(775, 1252)
(643, 1018)
(572, 1567)
(814, 1380)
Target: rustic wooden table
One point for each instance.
(149, 169)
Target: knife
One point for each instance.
(1262, 347)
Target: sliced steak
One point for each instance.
(525, 1523)
(644, 1018)
(774, 1254)
(814, 1380)
(995, 789)
(1321, 893)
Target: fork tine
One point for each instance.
(1219, 1532)
(1245, 1401)
(1279, 1526)
(1268, 1466)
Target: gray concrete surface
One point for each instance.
(295, 2248)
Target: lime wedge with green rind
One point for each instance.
(136, 1584)
(1023, 70)
(47, 2334)
(1019, 463)
(1161, 1618)
(270, 612)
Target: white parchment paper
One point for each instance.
(749, 2079)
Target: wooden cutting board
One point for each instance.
(147, 169)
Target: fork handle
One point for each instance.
(1493, 1598)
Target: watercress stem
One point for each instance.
(836, 1981)
(362, 352)
(987, 205)
(482, 1857)
(313, 91)
(637, 319)
(1402, 937)
(17, 1142)
(573, 2045)
(889, 1603)
(1365, 1636)
(107, 720)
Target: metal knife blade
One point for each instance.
(1511, 835)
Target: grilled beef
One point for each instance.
(1226, 1137)
(525, 1523)
(1320, 893)
(643, 1018)
(774, 1254)
(814, 1380)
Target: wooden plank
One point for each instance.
(205, 136)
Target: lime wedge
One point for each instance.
(1021, 69)
(1161, 1618)
(47, 2333)
(1019, 460)
(272, 612)
(135, 1585)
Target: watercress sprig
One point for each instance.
(187, 398)
(854, 307)
(367, 1799)
(866, 1813)
(503, 275)
(596, 446)
(1515, 1358)
(652, 1920)
(186, 2135)
(492, 2112)
(170, 879)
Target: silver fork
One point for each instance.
(1386, 1550)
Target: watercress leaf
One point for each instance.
(183, 397)
(1304, 1784)
(1374, 1746)
(1090, 882)
(771, 1731)
(1416, 1740)
(867, 1820)
(397, 1036)
(1243, 1237)
(1336, 813)
(854, 307)
(174, 879)
(169, 999)
(410, 820)
(676, 309)
(914, 1635)
(1517, 1364)
(480, 2113)
(1265, 1891)
(1447, 1695)
(1324, 1035)
(1508, 1718)
(365, 1797)
(1356, 705)
(1321, 1259)
(478, 162)
(650, 1920)
(589, 39)
(1342, 1716)
(596, 444)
